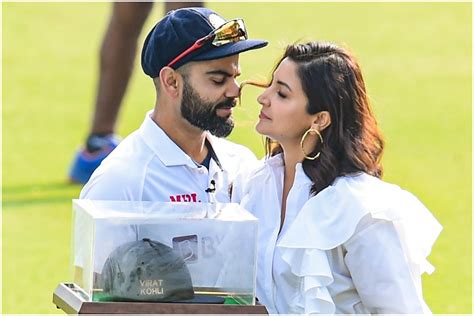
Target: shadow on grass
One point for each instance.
(38, 194)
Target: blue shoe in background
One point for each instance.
(89, 158)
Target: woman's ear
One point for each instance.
(321, 121)
(170, 81)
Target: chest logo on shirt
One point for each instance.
(186, 197)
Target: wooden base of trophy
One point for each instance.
(72, 300)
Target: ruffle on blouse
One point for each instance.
(329, 219)
(312, 267)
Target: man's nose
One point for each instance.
(233, 90)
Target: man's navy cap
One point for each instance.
(145, 270)
(178, 31)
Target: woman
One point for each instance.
(333, 237)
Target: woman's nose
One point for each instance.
(262, 99)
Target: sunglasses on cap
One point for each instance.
(230, 32)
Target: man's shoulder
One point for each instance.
(132, 152)
(112, 181)
(120, 174)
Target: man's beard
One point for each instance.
(203, 114)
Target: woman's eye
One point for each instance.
(281, 95)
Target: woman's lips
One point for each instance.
(262, 116)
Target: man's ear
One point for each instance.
(170, 82)
(321, 121)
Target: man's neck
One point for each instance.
(189, 138)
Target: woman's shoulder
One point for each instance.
(362, 192)
(359, 185)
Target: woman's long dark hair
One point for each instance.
(332, 81)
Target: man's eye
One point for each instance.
(218, 82)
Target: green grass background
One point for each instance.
(416, 58)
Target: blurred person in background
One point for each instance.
(117, 55)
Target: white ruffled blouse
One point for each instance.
(358, 246)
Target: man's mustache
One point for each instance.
(228, 103)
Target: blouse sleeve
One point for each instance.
(380, 270)
(246, 175)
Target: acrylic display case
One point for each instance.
(214, 243)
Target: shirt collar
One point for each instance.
(166, 149)
(216, 152)
(300, 176)
(275, 161)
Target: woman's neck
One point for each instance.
(292, 155)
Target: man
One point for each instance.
(117, 54)
(178, 154)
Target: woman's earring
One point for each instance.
(309, 131)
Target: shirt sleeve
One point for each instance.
(380, 271)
